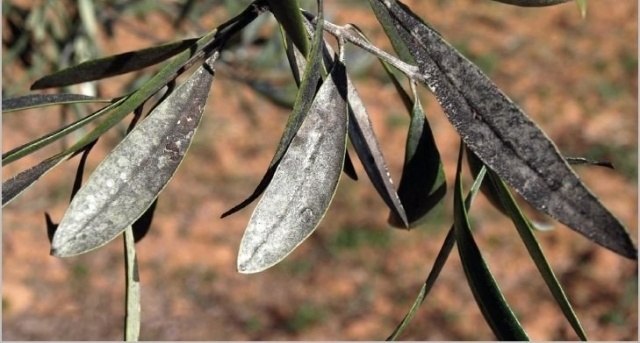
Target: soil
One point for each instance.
(355, 277)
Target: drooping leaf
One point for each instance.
(30, 147)
(304, 98)
(423, 183)
(287, 12)
(532, 3)
(39, 100)
(130, 178)
(304, 183)
(486, 292)
(113, 65)
(365, 143)
(504, 138)
(297, 64)
(526, 233)
(439, 262)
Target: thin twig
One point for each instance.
(347, 34)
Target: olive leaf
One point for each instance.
(525, 230)
(304, 182)
(15, 185)
(287, 12)
(113, 65)
(423, 183)
(488, 295)
(130, 178)
(304, 99)
(38, 100)
(365, 143)
(505, 138)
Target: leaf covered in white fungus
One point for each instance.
(126, 183)
(304, 182)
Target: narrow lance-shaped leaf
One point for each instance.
(39, 100)
(505, 139)
(304, 98)
(129, 179)
(287, 12)
(526, 233)
(113, 65)
(447, 245)
(366, 145)
(29, 147)
(423, 183)
(489, 298)
(304, 182)
(23, 180)
(297, 63)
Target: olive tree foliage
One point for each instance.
(505, 150)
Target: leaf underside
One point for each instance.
(130, 178)
(304, 182)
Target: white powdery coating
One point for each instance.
(303, 185)
(127, 181)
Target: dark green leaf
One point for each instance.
(423, 183)
(287, 12)
(304, 182)
(30, 147)
(505, 139)
(524, 229)
(113, 65)
(130, 178)
(39, 100)
(304, 98)
(439, 262)
(488, 296)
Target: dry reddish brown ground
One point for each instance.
(355, 278)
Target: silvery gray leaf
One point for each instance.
(505, 138)
(365, 143)
(130, 178)
(304, 182)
